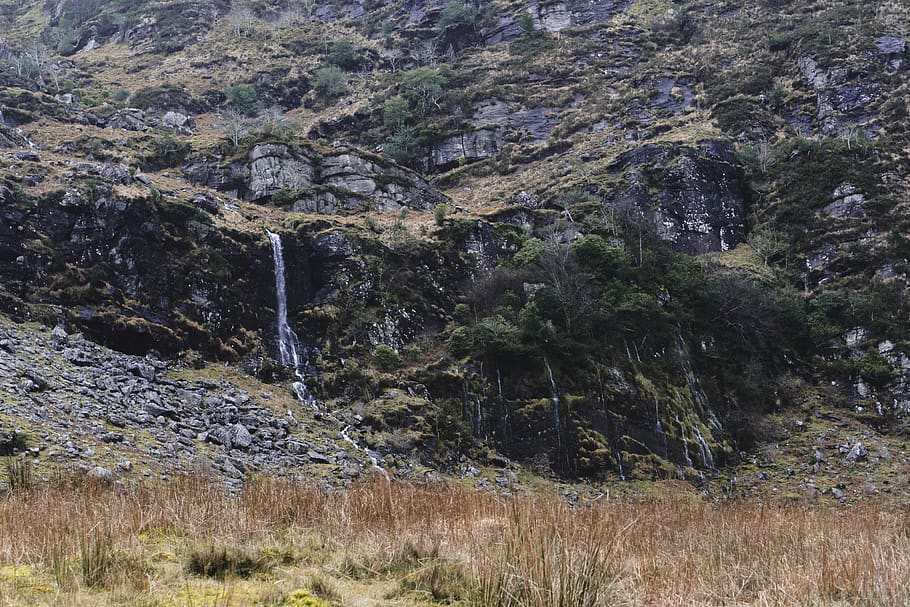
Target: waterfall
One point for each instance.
(685, 442)
(706, 457)
(504, 421)
(478, 418)
(692, 380)
(659, 429)
(374, 459)
(288, 343)
(555, 399)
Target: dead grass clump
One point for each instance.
(549, 555)
(101, 565)
(18, 475)
(440, 580)
(221, 562)
(322, 586)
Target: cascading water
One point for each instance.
(692, 380)
(555, 399)
(289, 350)
(685, 442)
(707, 457)
(288, 342)
(374, 459)
(659, 429)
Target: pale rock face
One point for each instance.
(273, 167)
(351, 173)
(476, 145)
(554, 17)
(175, 120)
(334, 183)
(855, 337)
(847, 202)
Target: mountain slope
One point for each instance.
(636, 239)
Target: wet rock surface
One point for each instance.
(701, 194)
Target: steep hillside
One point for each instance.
(639, 239)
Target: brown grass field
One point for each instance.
(281, 543)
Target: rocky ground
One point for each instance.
(70, 404)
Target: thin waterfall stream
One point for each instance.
(289, 350)
(555, 400)
(288, 342)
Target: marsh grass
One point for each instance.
(448, 544)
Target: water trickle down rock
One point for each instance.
(557, 418)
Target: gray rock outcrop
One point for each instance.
(700, 197)
(344, 181)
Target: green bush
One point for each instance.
(341, 54)
(456, 14)
(166, 151)
(402, 147)
(243, 97)
(439, 213)
(425, 86)
(284, 197)
(778, 41)
(526, 21)
(386, 357)
(396, 112)
(530, 252)
(875, 368)
(330, 81)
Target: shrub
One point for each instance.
(330, 81)
(426, 85)
(222, 562)
(526, 21)
(284, 197)
(166, 151)
(243, 97)
(456, 14)
(274, 124)
(529, 253)
(875, 368)
(341, 54)
(439, 213)
(402, 147)
(396, 112)
(67, 44)
(778, 41)
(386, 357)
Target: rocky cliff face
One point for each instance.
(696, 199)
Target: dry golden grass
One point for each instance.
(380, 544)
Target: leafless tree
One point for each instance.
(235, 126)
(560, 269)
(55, 71)
(241, 19)
(426, 53)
